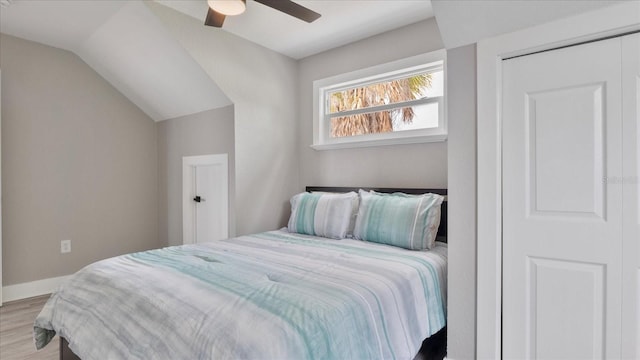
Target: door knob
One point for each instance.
(198, 199)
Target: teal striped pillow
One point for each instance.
(406, 221)
(321, 214)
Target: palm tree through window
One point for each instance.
(398, 92)
(400, 102)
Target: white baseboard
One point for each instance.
(31, 289)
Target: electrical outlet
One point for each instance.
(65, 246)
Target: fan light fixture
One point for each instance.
(228, 7)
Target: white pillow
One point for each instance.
(406, 221)
(322, 214)
(355, 203)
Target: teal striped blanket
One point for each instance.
(273, 295)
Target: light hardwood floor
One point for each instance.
(16, 331)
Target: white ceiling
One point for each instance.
(342, 22)
(463, 22)
(126, 44)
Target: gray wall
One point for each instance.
(415, 165)
(208, 132)
(262, 85)
(461, 81)
(79, 162)
(82, 162)
(451, 164)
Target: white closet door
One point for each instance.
(562, 235)
(630, 183)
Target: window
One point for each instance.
(395, 103)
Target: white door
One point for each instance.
(205, 198)
(562, 218)
(630, 183)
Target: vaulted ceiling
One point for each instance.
(342, 22)
(130, 48)
(126, 44)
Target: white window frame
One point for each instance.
(322, 139)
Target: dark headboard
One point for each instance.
(442, 230)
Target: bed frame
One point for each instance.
(65, 352)
(433, 347)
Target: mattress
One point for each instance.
(273, 295)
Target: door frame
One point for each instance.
(188, 215)
(605, 22)
(0, 192)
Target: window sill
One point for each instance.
(380, 142)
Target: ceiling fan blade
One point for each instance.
(214, 18)
(291, 8)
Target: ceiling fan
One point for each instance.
(220, 9)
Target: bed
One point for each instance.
(274, 295)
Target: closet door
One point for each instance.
(562, 217)
(630, 183)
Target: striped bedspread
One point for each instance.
(273, 295)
